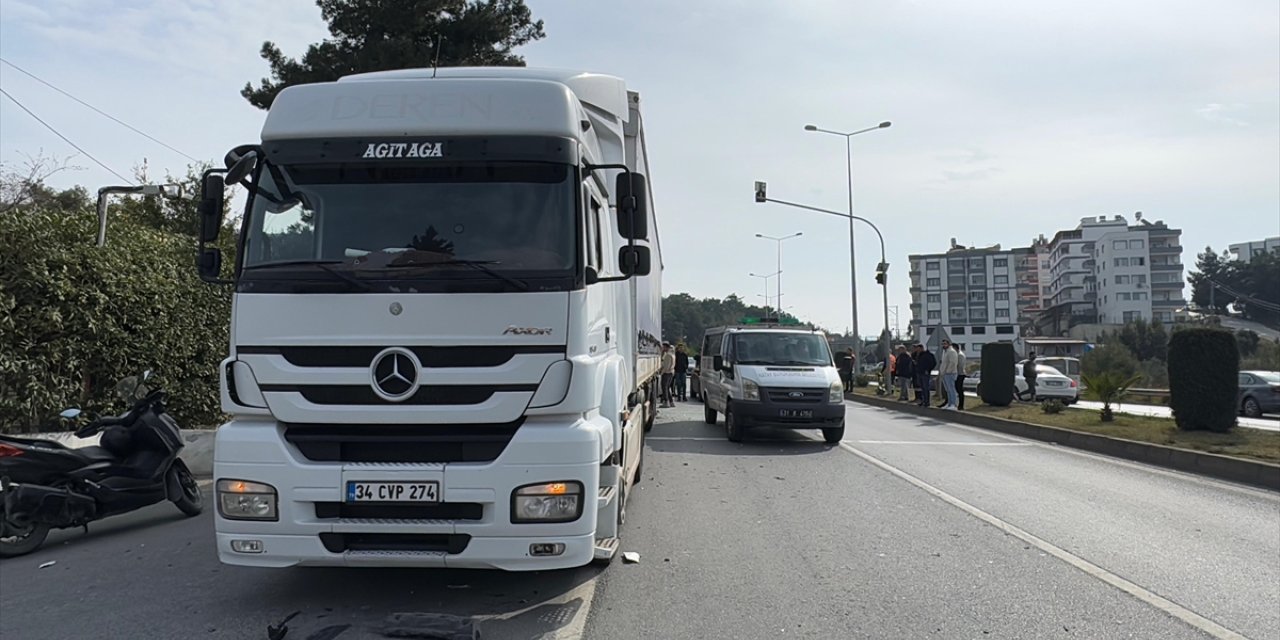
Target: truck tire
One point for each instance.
(833, 435)
(708, 414)
(650, 413)
(732, 425)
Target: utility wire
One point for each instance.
(99, 111)
(64, 138)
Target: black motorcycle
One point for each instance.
(46, 485)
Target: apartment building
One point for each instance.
(1247, 251)
(972, 296)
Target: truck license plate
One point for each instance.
(393, 492)
(796, 413)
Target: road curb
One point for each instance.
(197, 450)
(1253, 473)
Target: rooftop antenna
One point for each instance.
(435, 62)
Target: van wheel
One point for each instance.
(708, 414)
(733, 426)
(833, 435)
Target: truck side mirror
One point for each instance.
(209, 264)
(634, 260)
(717, 363)
(633, 209)
(211, 203)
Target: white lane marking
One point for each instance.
(1164, 604)
(958, 444)
(1137, 466)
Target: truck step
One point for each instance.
(605, 496)
(606, 548)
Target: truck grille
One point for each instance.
(402, 443)
(467, 356)
(796, 396)
(438, 511)
(451, 543)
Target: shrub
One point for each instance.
(997, 374)
(862, 380)
(1108, 387)
(1110, 356)
(75, 318)
(1203, 379)
(1052, 405)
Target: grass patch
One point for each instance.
(1242, 442)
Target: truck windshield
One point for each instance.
(783, 349)
(368, 221)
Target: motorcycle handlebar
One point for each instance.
(128, 417)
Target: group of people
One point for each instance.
(914, 370)
(675, 371)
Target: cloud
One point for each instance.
(1217, 112)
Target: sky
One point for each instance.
(1010, 119)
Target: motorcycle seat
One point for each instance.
(94, 454)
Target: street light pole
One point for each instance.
(765, 277)
(779, 272)
(853, 265)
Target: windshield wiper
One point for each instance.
(324, 265)
(477, 265)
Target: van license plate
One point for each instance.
(393, 492)
(796, 413)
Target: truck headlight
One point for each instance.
(547, 502)
(835, 395)
(244, 500)
(750, 390)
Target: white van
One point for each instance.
(771, 376)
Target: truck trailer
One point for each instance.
(446, 322)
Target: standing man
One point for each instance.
(1029, 374)
(904, 370)
(668, 374)
(948, 370)
(682, 371)
(845, 364)
(963, 364)
(925, 362)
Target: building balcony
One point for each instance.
(1175, 302)
(1161, 266)
(1157, 249)
(1168, 285)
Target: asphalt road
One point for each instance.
(910, 529)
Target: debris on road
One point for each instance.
(48, 564)
(435, 626)
(631, 557)
(277, 632)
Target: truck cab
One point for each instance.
(771, 376)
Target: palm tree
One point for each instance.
(1108, 387)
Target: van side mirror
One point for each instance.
(209, 264)
(634, 260)
(211, 203)
(717, 363)
(633, 206)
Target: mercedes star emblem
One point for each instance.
(394, 374)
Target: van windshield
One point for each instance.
(785, 349)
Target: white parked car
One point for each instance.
(1050, 383)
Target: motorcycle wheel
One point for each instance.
(20, 540)
(192, 500)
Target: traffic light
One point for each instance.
(760, 191)
(882, 273)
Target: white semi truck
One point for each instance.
(445, 324)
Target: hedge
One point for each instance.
(75, 318)
(1204, 366)
(997, 386)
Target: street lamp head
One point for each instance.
(759, 235)
(810, 127)
(885, 124)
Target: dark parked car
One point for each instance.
(1259, 393)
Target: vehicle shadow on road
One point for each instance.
(760, 441)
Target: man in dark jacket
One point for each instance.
(904, 371)
(925, 363)
(682, 371)
(1029, 374)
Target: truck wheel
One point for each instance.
(708, 414)
(650, 414)
(18, 540)
(733, 426)
(833, 435)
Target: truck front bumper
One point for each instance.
(469, 528)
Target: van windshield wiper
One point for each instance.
(477, 265)
(324, 265)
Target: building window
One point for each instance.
(935, 315)
(935, 298)
(932, 265)
(1000, 262)
(1004, 329)
(1130, 316)
(978, 280)
(1140, 279)
(1140, 296)
(1119, 280)
(958, 315)
(957, 331)
(977, 347)
(1138, 262)
(1137, 244)
(933, 282)
(978, 331)
(1121, 297)
(976, 263)
(1002, 295)
(959, 345)
(1119, 244)
(977, 296)
(1122, 262)
(1002, 313)
(1002, 280)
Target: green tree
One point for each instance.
(376, 35)
(1147, 340)
(1109, 357)
(1210, 267)
(1247, 342)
